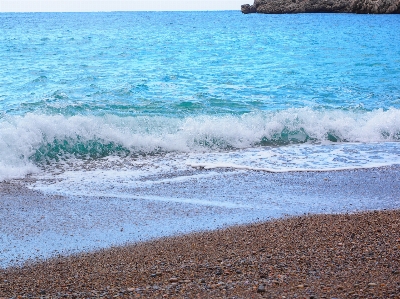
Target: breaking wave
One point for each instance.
(37, 140)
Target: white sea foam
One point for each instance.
(123, 177)
(303, 157)
(35, 140)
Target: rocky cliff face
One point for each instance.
(377, 6)
(308, 6)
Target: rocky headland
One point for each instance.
(323, 6)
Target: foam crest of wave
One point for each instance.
(30, 140)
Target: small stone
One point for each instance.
(261, 288)
(202, 280)
(153, 275)
(300, 286)
(372, 284)
(173, 280)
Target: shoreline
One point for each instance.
(37, 226)
(319, 256)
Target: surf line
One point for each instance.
(271, 170)
(194, 201)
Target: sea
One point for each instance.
(161, 106)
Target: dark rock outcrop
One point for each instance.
(247, 8)
(308, 6)
(376, 7)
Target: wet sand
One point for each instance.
(38, 225)
(345, 255)
(323, 256)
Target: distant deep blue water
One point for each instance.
(225, 89)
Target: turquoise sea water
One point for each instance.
(146, 124)
(198, 89)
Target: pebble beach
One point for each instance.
(347, 244)
(321, 256)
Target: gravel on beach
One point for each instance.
(323, 256)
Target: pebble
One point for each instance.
(261, 288)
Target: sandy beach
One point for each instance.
(323, 256)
